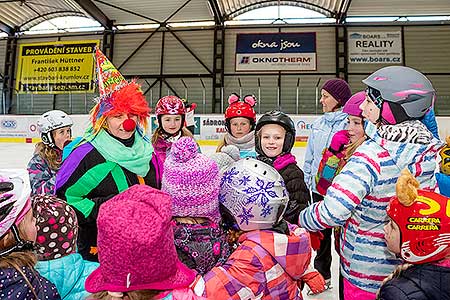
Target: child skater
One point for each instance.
(271, 255)
(341, 148)
(170, 113)
(419, 232)
(275, 137)
(193, 182)
(57, 232)
(138, 260)
(240, 120)
(18, 277)
(55, 129)
(397, 97)
(343, 144)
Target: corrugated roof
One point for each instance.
(27, 13)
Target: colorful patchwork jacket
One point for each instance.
(266, 265)
(42, 177)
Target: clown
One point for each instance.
(113, 155)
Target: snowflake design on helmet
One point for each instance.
(229, 175)
(246, 215)
(266, 211)
(261, 192)
(244, 180)
(284, 188)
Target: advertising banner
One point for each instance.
(56, 67)
(276, 52)
(375, 47)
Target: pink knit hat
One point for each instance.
(135, 244)
(192, 180)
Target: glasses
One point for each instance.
(375, 96)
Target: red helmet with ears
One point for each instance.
(424, 227)
(240, 108)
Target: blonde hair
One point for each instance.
(19, 259)
(397, 272)
(160, 133)
(132, 295)
(351, 148)
(49, 154)
(221, 144)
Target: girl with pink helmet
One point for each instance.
(18, 276)
(170, 113)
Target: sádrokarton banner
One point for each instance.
(56, 67)
(276, 52)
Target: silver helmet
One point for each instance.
(254, 194)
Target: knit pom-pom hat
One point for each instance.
(192, 180)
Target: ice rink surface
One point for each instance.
(17, 155)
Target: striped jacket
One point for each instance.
(358, 198)
(266, 265)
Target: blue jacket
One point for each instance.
(68, 273)
(322, 131)
(13, 285)
(359, 195)
(420, 282)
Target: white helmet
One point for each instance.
(14, 200)
(254, 194)
(50, 121)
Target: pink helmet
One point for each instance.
(351, 107)
(170, 105)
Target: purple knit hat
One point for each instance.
(57, 227)
(192, 180)
(339, 89)
(136, 249)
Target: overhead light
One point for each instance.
(192, 24)
(138, 26)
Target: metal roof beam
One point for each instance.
(218, 16)
(5, 28)
(125, 10)
(342, 13)
(95, 12)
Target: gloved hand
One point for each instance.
(339, 141)
(315, 282)
(315, 237)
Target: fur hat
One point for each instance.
(192, 180)
(135, 244)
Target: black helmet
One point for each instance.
(279, 118)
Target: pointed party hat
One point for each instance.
(116, 94)
(109, 78)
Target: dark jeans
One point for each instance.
(322, 262)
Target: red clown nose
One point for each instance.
(129, 125)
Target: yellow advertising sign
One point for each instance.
(56, 67)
